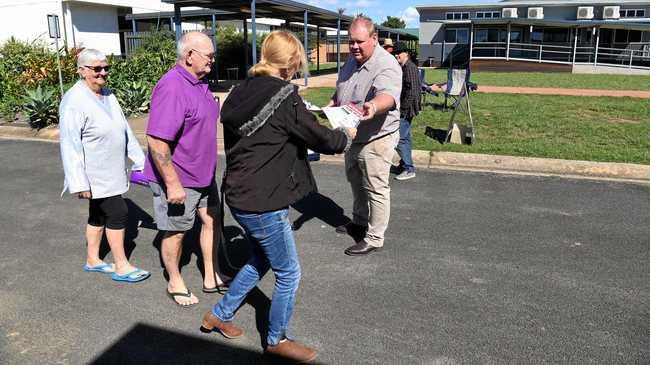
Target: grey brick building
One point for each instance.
(582, 35)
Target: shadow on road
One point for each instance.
(319, 206)
(137, 218)
(146, 344)
(234, 249)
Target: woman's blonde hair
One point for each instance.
(281, 52)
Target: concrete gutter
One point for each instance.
(442, 160)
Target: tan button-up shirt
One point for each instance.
(380, 74)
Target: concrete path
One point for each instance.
(560, 91)
(477, 269)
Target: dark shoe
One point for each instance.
(361, 248)
(227, 329)
(292, 351)
(217, 289)
(396, 169)
(221, 289)
(352, 229)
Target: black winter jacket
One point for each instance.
(266, 159)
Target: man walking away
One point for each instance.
(409, 107)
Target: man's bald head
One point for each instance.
(362, 21)
(196, 54)
(192, 40)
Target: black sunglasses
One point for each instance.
(99, 69)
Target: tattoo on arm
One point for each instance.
(164, 158)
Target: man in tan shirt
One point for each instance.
(371, 79)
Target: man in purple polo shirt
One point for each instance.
(182, 159)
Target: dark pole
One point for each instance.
(306, 41)
(338, 41)
(177, 22)
(254, 32)
(246, 65)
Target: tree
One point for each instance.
(394, 22)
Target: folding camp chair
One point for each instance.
(458, 88)
(457, 85)
(425, 88)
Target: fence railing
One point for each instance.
(633, 55)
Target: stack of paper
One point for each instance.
(346, 116)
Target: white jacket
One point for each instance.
(95, 139)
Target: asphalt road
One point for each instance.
(478, 268)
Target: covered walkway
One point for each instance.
(289, 11)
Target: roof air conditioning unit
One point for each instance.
(611, 12)
(509, 13)
(535, 13)
(585, 12)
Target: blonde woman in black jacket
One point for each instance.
(267, 130)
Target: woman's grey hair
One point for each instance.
(88, 56)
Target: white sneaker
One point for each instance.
(405, 175)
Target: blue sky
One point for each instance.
(379, 9)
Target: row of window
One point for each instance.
(632, 13)
(463, 15)
(549, 35)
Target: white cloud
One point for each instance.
(360, 5)
(411, 17)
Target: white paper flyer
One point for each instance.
(346, 116)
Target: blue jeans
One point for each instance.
(404, 145)
(273, 247)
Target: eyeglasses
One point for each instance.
(99, 69)
(209, 57)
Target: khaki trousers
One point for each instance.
(367, 167)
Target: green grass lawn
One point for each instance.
(323, 66)
(540, 79)
(574, 128)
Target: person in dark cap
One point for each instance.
(409, 108)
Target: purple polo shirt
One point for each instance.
(184, 113)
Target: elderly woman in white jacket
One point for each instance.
(95, 139)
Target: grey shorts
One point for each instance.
(180, 217)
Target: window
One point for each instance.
(457, 15)
(635, 36)
(515, 36)
(481, 36)
(585, 35)
(632, 13)
(487, 14)
(493, 35)
(553, 35)
(450, 35)
(490, 35)
(620, 36)
(627, 36)
(460, 36)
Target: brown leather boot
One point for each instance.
(227, 329)
(292, 351)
